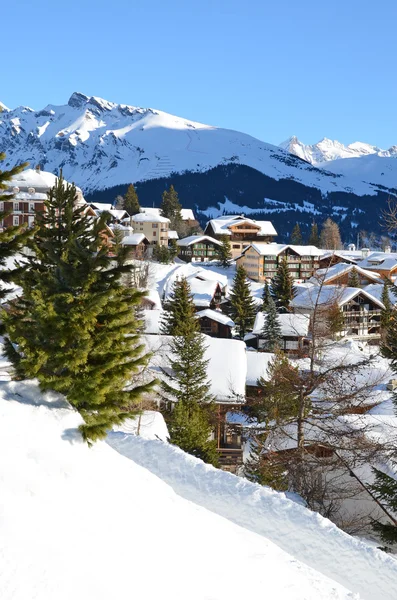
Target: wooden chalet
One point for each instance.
(215, 324)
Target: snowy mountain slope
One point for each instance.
(304, 534)
(88, 523)
(366, 162)
(100, 144)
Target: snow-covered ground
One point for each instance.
(89, 523)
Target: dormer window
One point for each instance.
(15, 190)
(31, 190)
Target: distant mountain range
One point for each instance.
(103, 146)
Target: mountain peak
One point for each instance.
(77, 100)
(4, 107)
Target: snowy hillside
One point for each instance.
(355, 161)
(89, 523)
(101, 144)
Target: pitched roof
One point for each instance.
(173, 235)
(221, 225)
(187, 213)
(215, 315)
(292, 325)
(134, 239)
(149, 218)
(197, 239)
(330, 294)
(276, 249)
(341, 269)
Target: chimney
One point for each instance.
(364, 252)
(37, 168)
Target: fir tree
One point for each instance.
(334, 319)
(171, 208)
(263, 467)
(353, 279)
(283, 290)
(266, 296)
(272, 329)
(242, 304)
(388, 310)
(385, 490)
(314, 239)
(117, 240)
(74, 327)
(186, 384)
(131, 202)
(330, 236)
(296, 235)
(173, 249)
(224, 251)
(161, 254)
(12, 239)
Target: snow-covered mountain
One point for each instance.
(356, 161)
(100, 144)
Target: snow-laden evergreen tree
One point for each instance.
(131, 202)
(283, 290)
(75, 326)
(12, 239)
(272, 328)
(385, 490)
(224, 251)
(266, 296)
(171, 208)
(242, 304)
(296, 235)
(353, 279)
(185, 386)
(314, 239)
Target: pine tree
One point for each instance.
(272, 328)
(283, 290)
(388, 310)
(385, 490)
(330, 236)
(296, 235)
(171, 208)
(74, 327)
(242, 304)
(12, 239)
(186, 384)
(314, 239)
(353, 279)
(266, 296)
(224, 252)
(131, 202)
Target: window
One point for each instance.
(154, 225)
(291, 345)
(236, 245)
(15, 220)
(31, 206)
(16, 206)
(154, 233)
(1, 206)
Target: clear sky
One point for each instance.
(310, 68)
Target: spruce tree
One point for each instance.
(131, 202)
(171, 208)
(272, 328)
(353, 279)
(74, 327)
(185, 384)
(242, 304)
(385, 490)
(283, 290)
(224, 252)
(314, 239)
(266, 297)
(387, 311)
(296, 235)
(12, 239)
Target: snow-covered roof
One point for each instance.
(341, 269)
(152, 320)
(197, 239)
(133, 239)
(215, 315)
(379, 260)
(276, 249)
(328, 295)
(221, 225)
(187, 213)
(226, 369)
(173, 235)
(118, 213)
(101, 206)
(150, 425)
(154, 297)
(376, 290)
(202, 291)
(149, 218)
(346, 256)
(291, 324)
(257, 366)
(40, 182)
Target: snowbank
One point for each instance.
(89, 524)
(304, 534)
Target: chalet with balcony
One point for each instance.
(154, 227)
(361, 310)
(198, 248)
(382, 263)
(294, 333)
(241, 231)
(340, 274)
(215, 324)
(137, 244)
(261, 261)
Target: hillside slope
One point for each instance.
(90, 524)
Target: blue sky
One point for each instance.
(272, 69)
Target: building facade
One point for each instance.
(241, 231)
(198, 248)
(154, 227)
